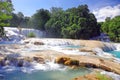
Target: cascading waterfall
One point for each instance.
(109, 47)
(15, 62)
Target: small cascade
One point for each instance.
(13, 34)
(48, 66)
(117, 45)
(56, 42)
(38, 33)
(17, 62)
(109, 47)
(101, 53)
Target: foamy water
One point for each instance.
(56, 45)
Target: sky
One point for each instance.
(101, 8)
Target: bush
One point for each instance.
(31, 34)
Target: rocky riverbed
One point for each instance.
(68, 52)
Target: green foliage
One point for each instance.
(19, 20)
(102, 77)
(5, 15)
(112, 28)
(77, 23)
(39, 19)
(73, 23)
(31, 34)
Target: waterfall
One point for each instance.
(24, 32)
(101, 53)
(109, 46)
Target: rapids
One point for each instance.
(18, 47)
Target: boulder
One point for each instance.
(39, 59)
(67, 61)
(62, 60)
(20, 63)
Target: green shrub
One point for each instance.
(31, 34)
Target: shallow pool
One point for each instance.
(68, 74)
(115, 53)
(73, 46)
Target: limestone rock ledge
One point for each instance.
(85, 61)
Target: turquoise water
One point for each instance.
(115, 53)
(73, 46)
(45, 75)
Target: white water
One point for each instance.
(24, 31)
(111, 74)
(57, 45)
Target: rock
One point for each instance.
(74, 67)
(67, 61)
(85, 49)
(71, 62)
(38, 43)
(62, 60)
(28, 59)
(39, 59)
(20, 63)
(2, 61)
(26, 42)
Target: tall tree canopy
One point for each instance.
(5, 14)
(73, 23)
(39, 19)
(112, 28)
(19, 20)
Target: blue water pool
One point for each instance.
(115, 53)
(73, 46)
(45, 75)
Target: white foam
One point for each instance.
(111, 74)
(67, 51)
(34, 66)
(101, 53)
(117, 46)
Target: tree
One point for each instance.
(55, 23)
(84, 21)
(112, 28)
(76, 23)
(40, 18)
(19, 20)
(5, 14)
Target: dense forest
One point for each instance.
(112, 28)
(76, 23)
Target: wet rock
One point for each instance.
(72, 62)
(2, 61)
(39, 59)
(38, 43)
(26, 42)
(85, 49)
(62, 60)
(67, 61)
(20, 63)
(29, 59)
